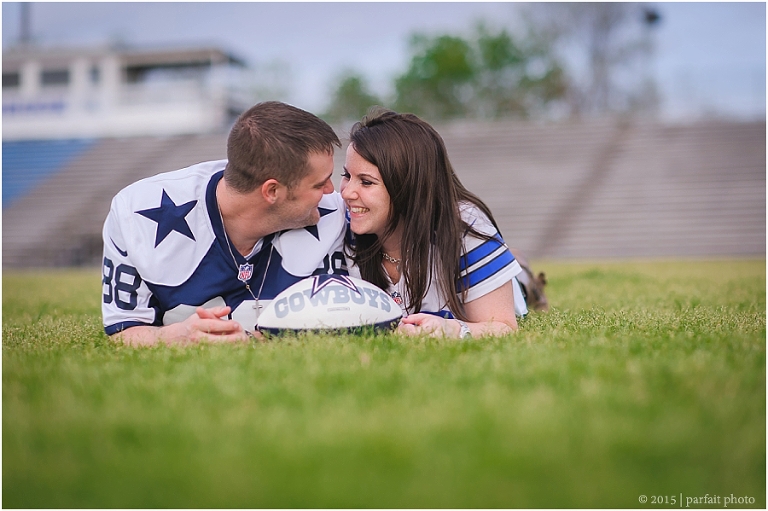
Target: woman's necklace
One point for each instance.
(245, 271)
(394, 277)
(396, 296)
(391, 259)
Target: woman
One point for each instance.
(422, 236)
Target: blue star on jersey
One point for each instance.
(312, 229)
(155, 276)
(169, 218)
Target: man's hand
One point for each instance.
(211, 325)
(205, 325)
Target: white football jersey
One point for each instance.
(165, 253)
(485, 265)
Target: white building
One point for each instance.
(116, 92)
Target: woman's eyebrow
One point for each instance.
(362, 174)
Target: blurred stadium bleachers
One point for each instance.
(591, 189)
(617, 188)
(27, 162)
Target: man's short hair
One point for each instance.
(273, 140)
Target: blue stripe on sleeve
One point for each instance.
(481, 251)
(486, 271)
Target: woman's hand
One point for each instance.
(429, 324)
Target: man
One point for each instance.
(197, 253)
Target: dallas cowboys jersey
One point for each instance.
(166, 253)
(485, 265)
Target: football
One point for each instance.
(330, 302)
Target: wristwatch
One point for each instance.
(465, 331)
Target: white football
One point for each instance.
(330, 302)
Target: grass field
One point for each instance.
(646, 379)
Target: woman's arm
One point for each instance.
(491, 314)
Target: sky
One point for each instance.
(710, 58)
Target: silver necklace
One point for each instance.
(245, 271)
(391, 259)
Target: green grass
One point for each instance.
(646, 378)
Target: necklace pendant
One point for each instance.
(245, 272)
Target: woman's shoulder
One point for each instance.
(475, 218)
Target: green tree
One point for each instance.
(514, 79)
(501, 64)
(351, 98)
(438, 82)
(489, 75)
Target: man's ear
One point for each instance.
(271, 190)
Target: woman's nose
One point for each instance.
(347, 190)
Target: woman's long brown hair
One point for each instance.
(425, 194)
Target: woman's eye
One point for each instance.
(345, 175)
(365, 183)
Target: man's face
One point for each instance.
(300, 208)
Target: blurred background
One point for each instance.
(592, 130)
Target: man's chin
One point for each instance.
(313, 219)
(307, 222)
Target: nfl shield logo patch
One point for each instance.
(245, 273)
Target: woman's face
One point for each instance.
(366, 196)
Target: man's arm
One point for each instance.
(206, 325)
(127, 302)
